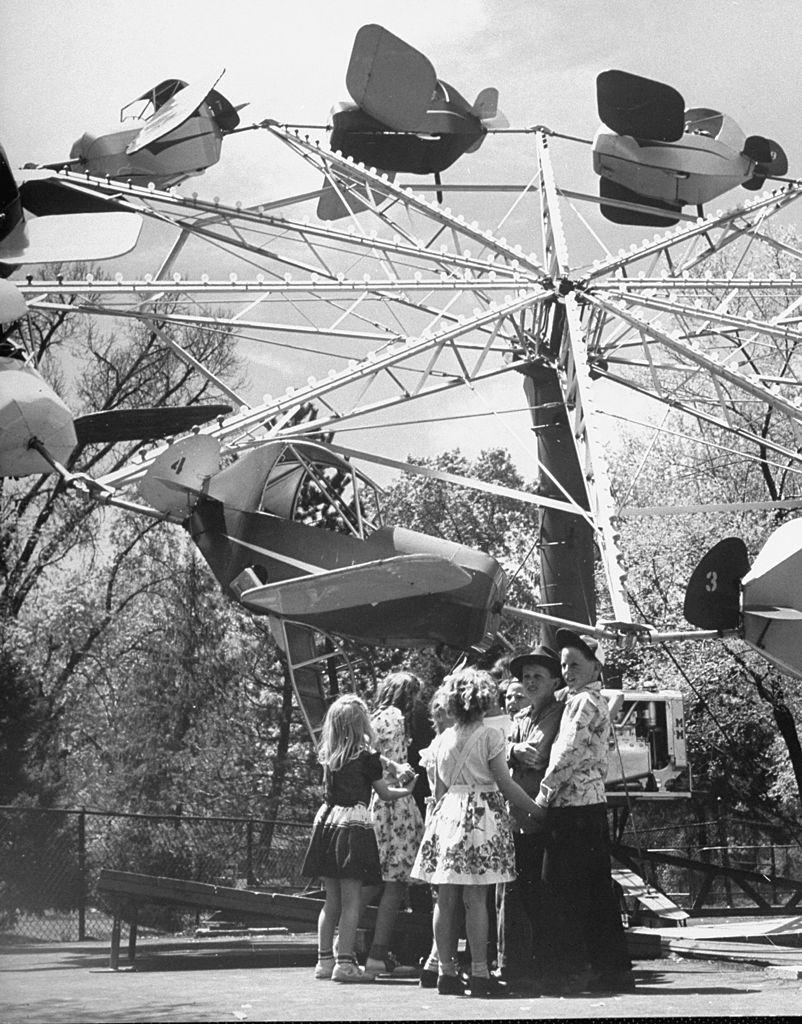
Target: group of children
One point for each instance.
(517, 811)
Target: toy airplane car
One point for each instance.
(403, 118)
(659, 155)
(38, 433)
(42, 221)
(177, 134)
(763, 603)
(345, 575)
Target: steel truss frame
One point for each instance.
(419, 303)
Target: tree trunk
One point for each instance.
(275, 793)
(788, 731)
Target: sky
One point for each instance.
(71, 65)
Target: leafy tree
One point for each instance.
(53, 543)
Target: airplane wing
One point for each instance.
(45, 195)
(769, 611)
(172, 114)
(387, 579)
(641, 107)
(143, 424)
(650, 215)
(71, 237)
(389, 79)
(777, 565)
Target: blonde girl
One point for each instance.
(467, 843)
(342, 850)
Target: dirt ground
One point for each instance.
(71, 982)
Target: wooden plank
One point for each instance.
(159, 889)
(651, 898)
(283, 908)
(745, 952)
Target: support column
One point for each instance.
(567, 548)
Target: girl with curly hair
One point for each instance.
(467, 844)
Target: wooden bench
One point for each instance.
(126, 891)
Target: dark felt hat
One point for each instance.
(587, 644)
(541, 655)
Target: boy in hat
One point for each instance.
(521, 929)
(586, 938)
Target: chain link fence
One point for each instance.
(50, 863)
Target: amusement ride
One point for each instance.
(409, 309)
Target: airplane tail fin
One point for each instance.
(180, 476)
(769, 157)
(485, 106)
(713, 595)
(225, 114)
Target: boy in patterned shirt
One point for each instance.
(582, 915)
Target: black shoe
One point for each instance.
(487, 987)
(428, 979)
(450, 985)
(611, 981)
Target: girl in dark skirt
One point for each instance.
(342, 850)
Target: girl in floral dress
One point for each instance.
(441, 720)
(398, 826)
(467, 844)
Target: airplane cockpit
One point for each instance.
(150, 102)
(310, 484)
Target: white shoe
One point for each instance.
(348, 971)
(325, 968)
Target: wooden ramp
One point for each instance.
(655, 901)
(127, 891)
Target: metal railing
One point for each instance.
(719, 866)
(50, 862)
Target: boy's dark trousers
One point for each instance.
(522, 938)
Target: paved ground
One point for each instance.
(71, 983)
